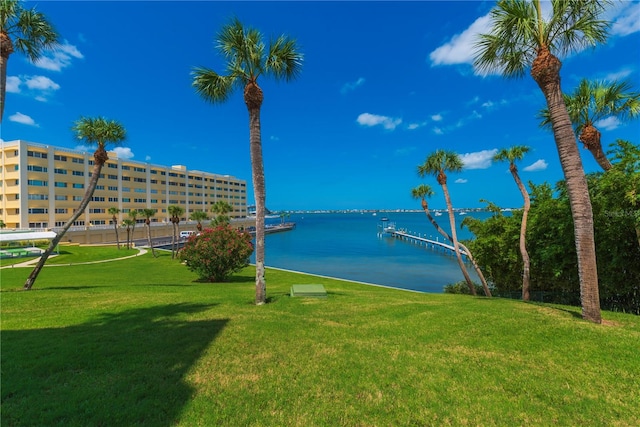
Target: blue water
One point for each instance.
(348, 246)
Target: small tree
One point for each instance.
(221, 209)
(127, 223)
(2, 224)
(147, 213)
(114, 217)
(176, 212)
(199, 216)
(217, 252)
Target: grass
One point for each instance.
(141, 342)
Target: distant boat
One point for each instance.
(374, 214)
(438, 213)
(462, 213)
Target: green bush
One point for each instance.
(216, 253)
(462, 288)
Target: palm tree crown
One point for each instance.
(511, 155)
(440, 162)
(520, 32)
(23, 30)
(247, 59)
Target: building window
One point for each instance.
(78, 173)
(126, 178)
(37, 183)
(35, 154)
(38, 197)
(77, 160)
(38, 210)
(35, 168)
(77, 199)
(62, 210)
(60, 171)
(76, 185)
(59, 157)
(61, 184)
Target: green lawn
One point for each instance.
(141, 342)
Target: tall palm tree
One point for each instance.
(91, 131)
(23, 30)
(133, 215)
(247, 59)
(437, 164)
(114, 217)
(199, 216)
(127, 223)
(512, 155)
(221, 209)
(147, 213)
(176, 212)
(592, 101)
(424, 191)
(520, 37)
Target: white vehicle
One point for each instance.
(184, 235)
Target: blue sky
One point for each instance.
(383, 85)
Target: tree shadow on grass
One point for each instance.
(121, 369)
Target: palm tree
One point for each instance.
(91, 131)
(176, 212)
(199, 216)
(221, 209)
(128, 222)
(133, 214)
(593, 101)
(2, 224)
(511, 155)
(114, 217)
(23, 30)
(424, 191)
(247, 59)
(520, 37)
(147, 214)
(437, 164)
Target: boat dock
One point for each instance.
(389, 229)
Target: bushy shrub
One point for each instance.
(216, 253)
(462, 288)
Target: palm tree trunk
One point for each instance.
(454, 239)
(100, 157)
(446, 235)
(253, 98)
(3, 78)
(526, 263)
(174, 243)
(153, 252)
(590, 137)
(115, 227)
(546, 72)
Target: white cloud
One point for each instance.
(348, 87)
(147, 158)
(438, 131)
(618, 75)
(389, 123)
(274, 138)
(436, 117)
(41, 83)
(460, 49)
(608, 123)
(627, 19)
(460, 181)
(479, 159)
(13, 84)
(23, 119)
(56, 60)
(123, 152)
(536, 166)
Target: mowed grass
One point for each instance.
(141, 342)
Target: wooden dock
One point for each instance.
(419, 240)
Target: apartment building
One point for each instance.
(43, 185)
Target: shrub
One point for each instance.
(216, 253)
(462, 288)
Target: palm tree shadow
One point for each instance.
(121, 368)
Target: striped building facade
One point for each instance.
(42, 185)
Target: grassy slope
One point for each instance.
(139, 341)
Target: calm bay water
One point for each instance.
(348, 246)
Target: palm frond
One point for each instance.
(211, 86)
(575, 25)
(284, 60)
(511, 45)
(34, 34)
(422, 191)
(99, 131)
